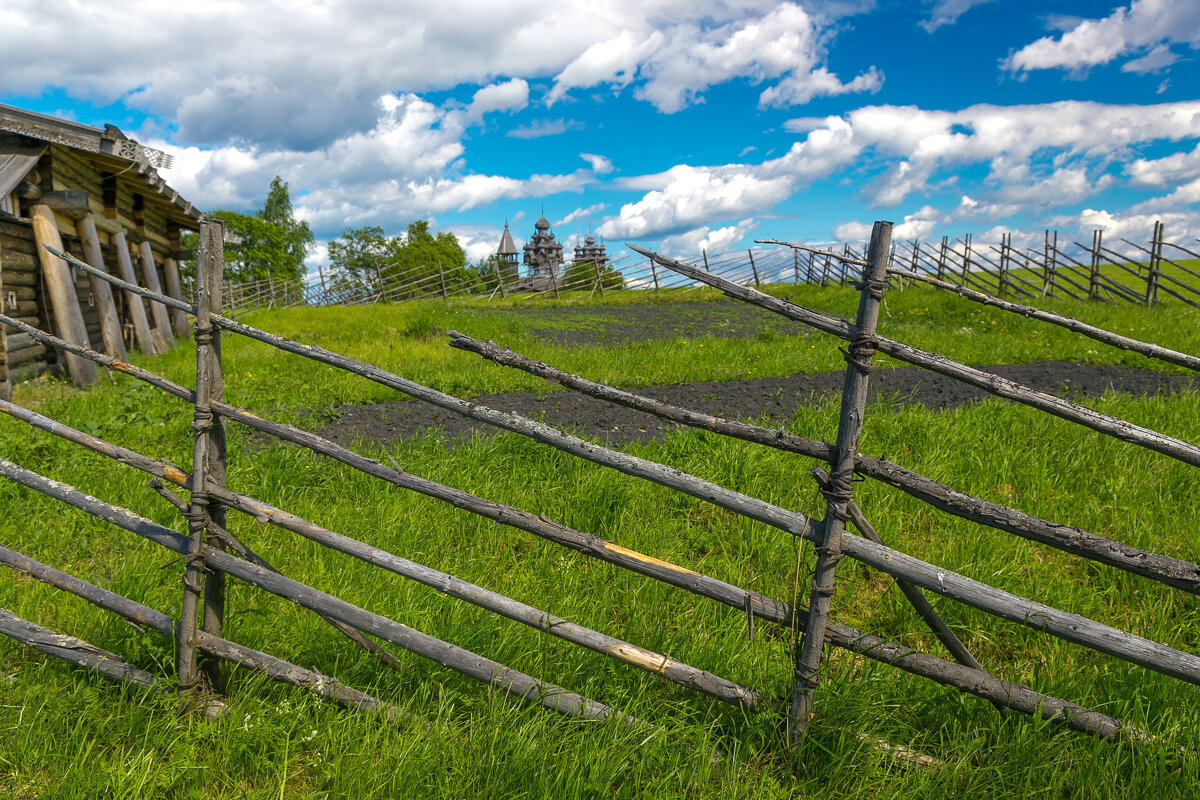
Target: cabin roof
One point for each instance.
(110, 150)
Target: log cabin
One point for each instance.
(96, 194)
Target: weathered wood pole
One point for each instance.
(941, 264)
(137, 310)
(175, 289)
(704, 253)
(1155, 265)
(1005, 260)
(966, 259)
(203, 591)
(106, 308)
(840, 493)
(157, 310)
(753, 268)
(60, 286)
(5, 382)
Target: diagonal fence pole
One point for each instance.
(839, 494)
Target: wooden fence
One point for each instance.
(210, 553)
(1098, 270)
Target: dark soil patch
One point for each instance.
(776, 398)
(653, 321)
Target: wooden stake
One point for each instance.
(60, 286)
(157, 310)
(753, 268)
(137, 310)
(1155, 265)
(175, 289)
(5, 381)
(829, 551)
(106, 308)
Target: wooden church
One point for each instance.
(96, 194)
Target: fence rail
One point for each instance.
(211, 553)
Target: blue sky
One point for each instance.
(677, 124)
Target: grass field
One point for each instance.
(66, 733)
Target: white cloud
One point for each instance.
(947, 12)
(512, 95)
(544, 127)
(580, 213)
(600, 165)
(704, 239)
(300, 75)
(1039, 157)
(1179, 226)
(410, 164)
(1143, 25)
(918, 225)
(1042, 155)
(691, 196)
(1162, 171)
(675, 64)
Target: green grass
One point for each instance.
(65, 733)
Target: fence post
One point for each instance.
(840, 493)
(754, 268)
(1005, 255)
(966, 259)
(204, 592)
(654, 274)
(442, 278)
(106, 307)
(1155, 266)
(1094, 275)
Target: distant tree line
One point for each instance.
(272, 243)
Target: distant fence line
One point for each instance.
(212, 553)
(1061, 268)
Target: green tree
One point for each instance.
(271, 243)
(415, 264)
(298, 239)
(254, 249)
(361, 255)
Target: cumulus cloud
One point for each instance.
(1039, 157)
(918, 225)
(512, 95)
(409, 164)
(1042, 155)
(691, 196)
(315, 74)
(675, 64)
(1143, 25)
(704, 239)
(1178, 225)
